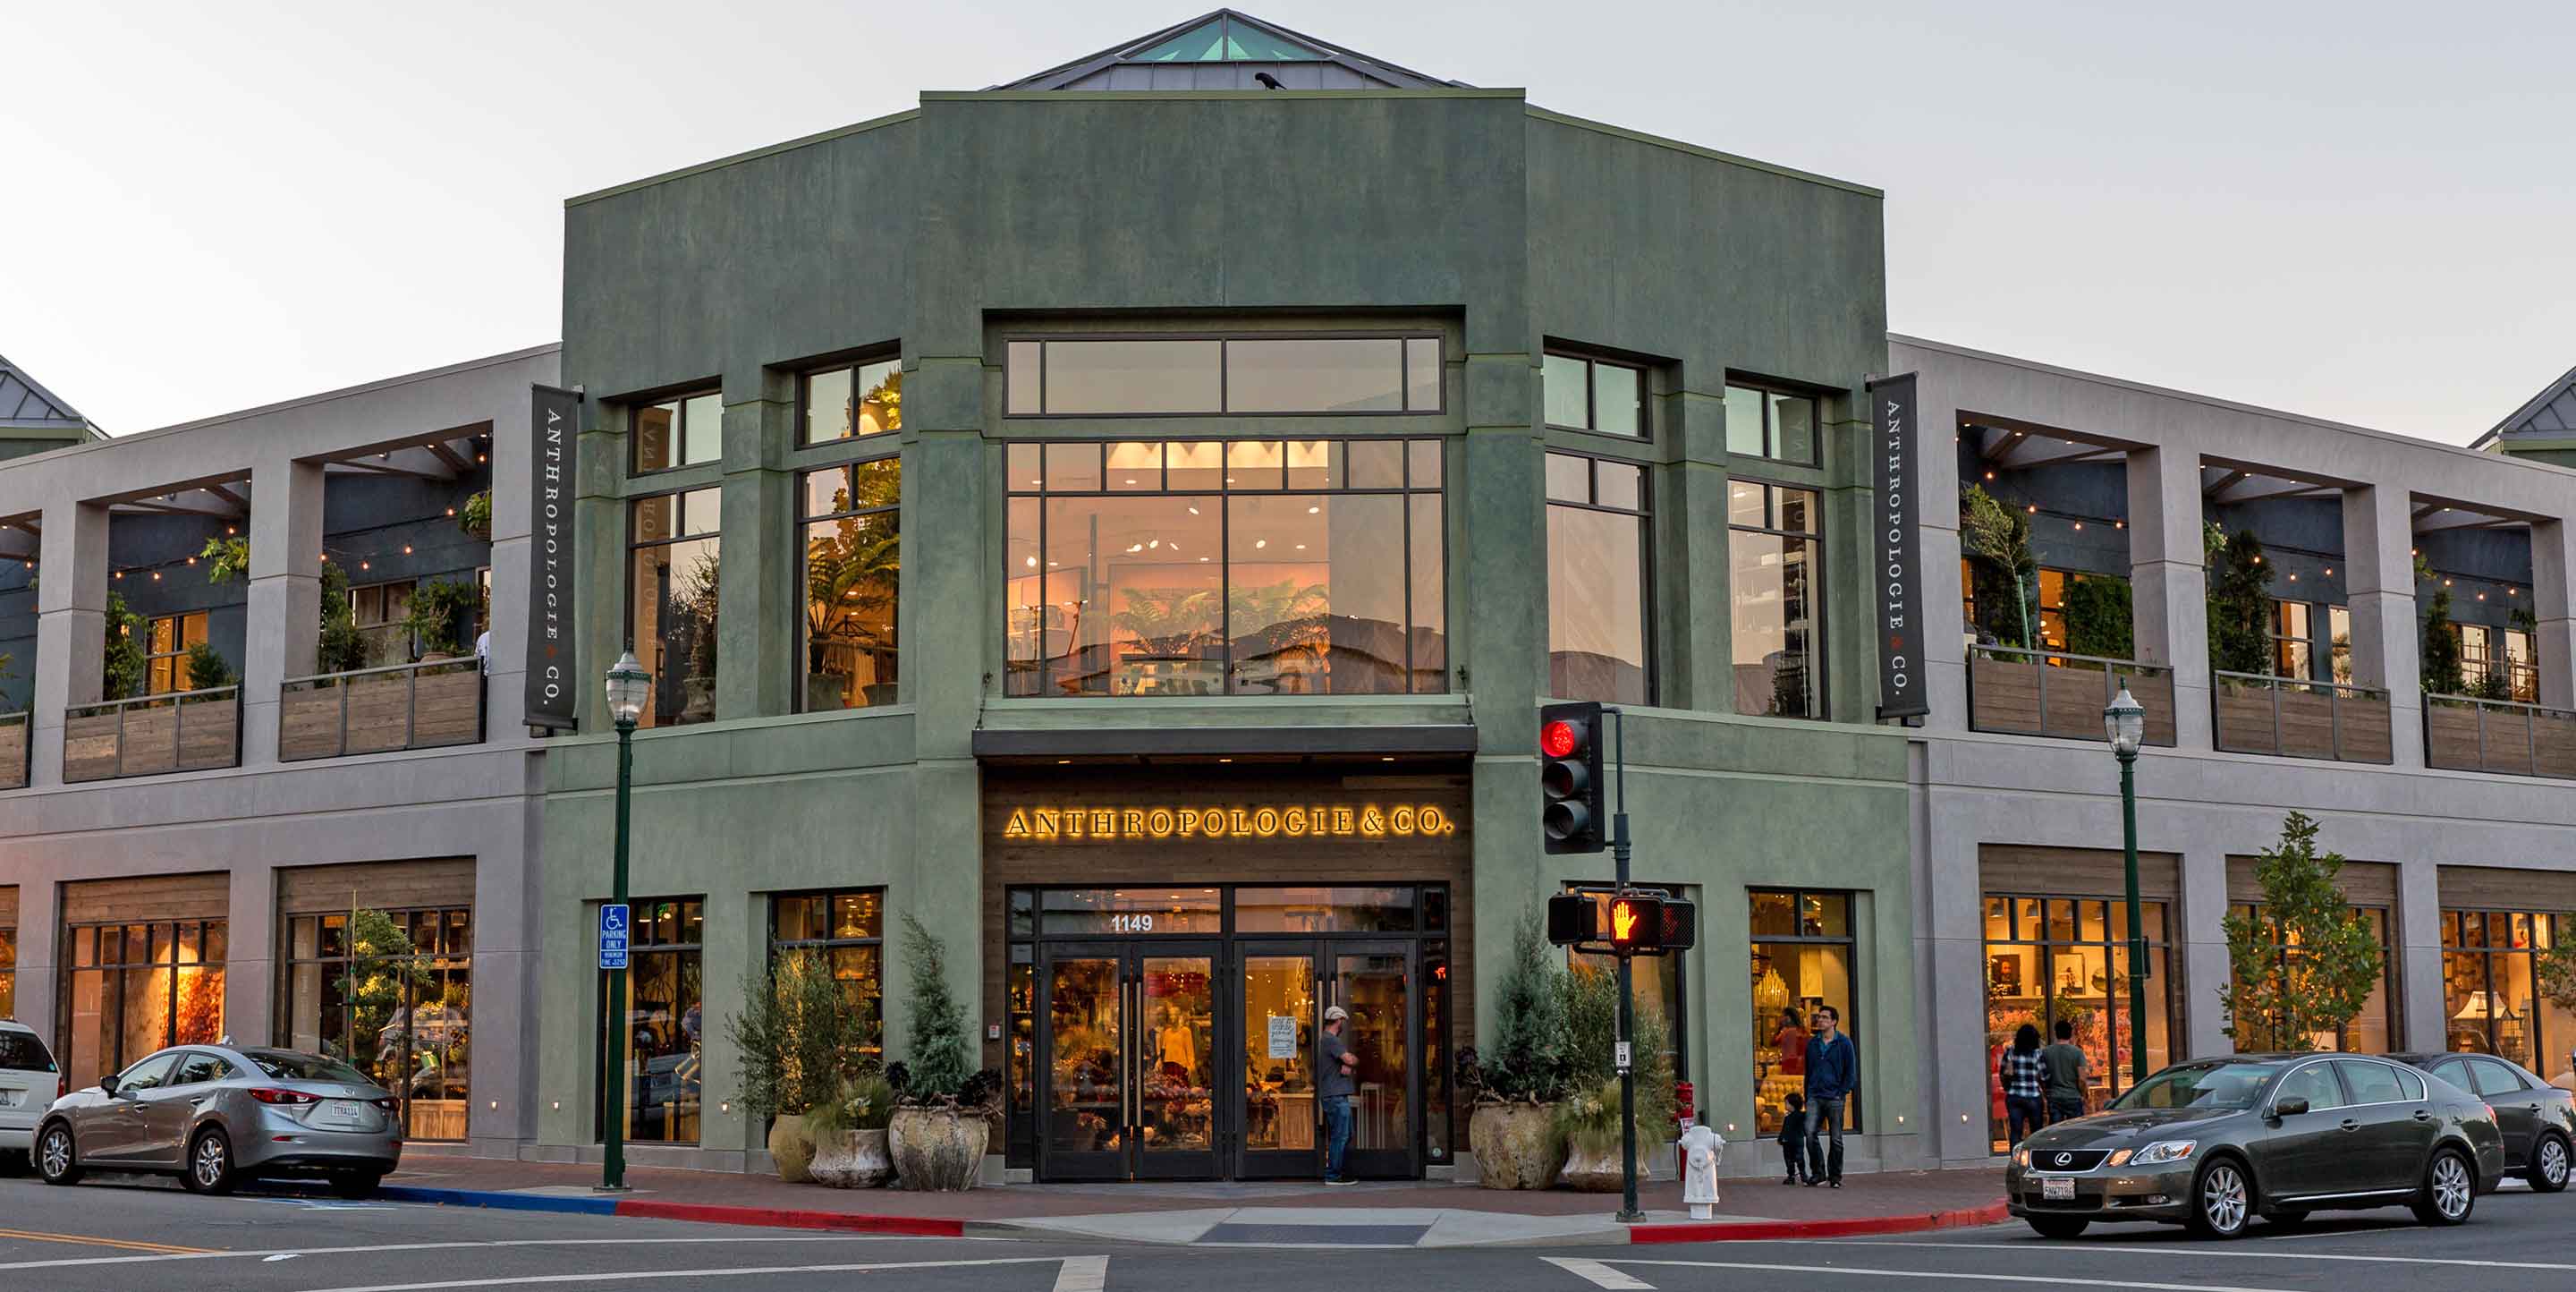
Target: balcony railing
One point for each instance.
(182, 731)
(2296, 718)
(2462, 733)
(379, 710)
(17, 744)
(2052, 693)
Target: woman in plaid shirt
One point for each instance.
(2025, 1090)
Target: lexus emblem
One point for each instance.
(2064, 1159)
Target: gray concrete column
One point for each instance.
(40, 956)
(71, 618)
(285, 595)
(1953, 989)
(2171, 586)
(2379, 583)
(2419, 952)
(250, 956)
(2201, 957)
(2553, 588)
(1692, 614)
(505, 670)
(760, 581)
(1936, 464)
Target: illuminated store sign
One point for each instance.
(1110, 825)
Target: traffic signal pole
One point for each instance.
(1629, 1213)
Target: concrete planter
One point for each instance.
(1599, 1172)
(792, 1148)
(1516, 1145)
(858, 1159)
(937, 1150)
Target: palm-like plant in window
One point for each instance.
(852, 572)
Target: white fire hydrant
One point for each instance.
(1701, 1150)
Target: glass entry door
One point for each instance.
(1128, 1039)
(1285, 987)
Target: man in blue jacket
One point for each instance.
(1833, 1069)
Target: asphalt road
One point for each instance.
(122, 1237)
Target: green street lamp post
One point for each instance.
(628, 685)
(2124, 720)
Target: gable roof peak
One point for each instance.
(1226, 49)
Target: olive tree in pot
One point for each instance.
(943, 1107)
(802, 1043)
(1589, 1116)
(1524, 1071)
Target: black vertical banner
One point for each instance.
(1897, 551)
(554, 428)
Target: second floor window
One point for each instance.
(1597, 588)
(166, 651)
(842, 403)
(853, 567)
(1775, 585)
(679, 432)
(382, 612)
(1771, 424)
(671, 601)
(2498, 663)
(1186, 376)
(1594, 395)
(2294, 635)
(1226, 567)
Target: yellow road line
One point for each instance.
(120, 1243)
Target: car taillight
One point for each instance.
(2490, 1111)
(273, 1095)
(385, 1104)
(59, 1088)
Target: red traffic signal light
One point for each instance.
(1560, 739)
(1571, 811)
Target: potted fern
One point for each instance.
(941, 1124)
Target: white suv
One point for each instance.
(29, 1084)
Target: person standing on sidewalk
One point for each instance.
(1833, 1069)
(1334, 1086)
(2025, 1084)
(2064, 1063)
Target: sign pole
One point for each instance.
(1629, 1212)
(613, 1084)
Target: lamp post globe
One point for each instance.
(628, 685)
(2124, 722)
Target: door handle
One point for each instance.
(2423, 1115)
(2351, 1125)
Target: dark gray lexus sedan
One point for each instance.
(216, 1114)
(2215, 1142)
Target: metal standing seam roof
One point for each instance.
(26, 405)
(1224, 49)
(2551, 412)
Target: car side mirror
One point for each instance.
(2290, 1107)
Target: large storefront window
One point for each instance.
(1802, 962)
(848, 928)
(1775, 588)
(1597, 601)
(1226, 567)
(853, 567)
(135, 988)
(404, 1021)
(2051, 958)
(2491, 997)
(664, 1026)
(671, 596)
(2373, 1030)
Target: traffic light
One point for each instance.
(1572, 918)
(1569, 776)
(1681, 926)
(1636, 922)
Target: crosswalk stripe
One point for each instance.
(1599, 1275)
(1083, 1274)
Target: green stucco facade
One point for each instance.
(1502, 226)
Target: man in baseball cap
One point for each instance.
(1334, 1086)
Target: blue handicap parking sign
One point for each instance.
(612, 935)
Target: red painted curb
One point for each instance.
(782, 1218)
(1707, 1231)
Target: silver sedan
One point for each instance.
(218, 1114)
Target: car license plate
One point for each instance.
(2057, 1189)
(10, 1098)
(340, 1112)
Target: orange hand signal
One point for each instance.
(1623, 922)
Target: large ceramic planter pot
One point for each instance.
(937, 1150)
(1516, 1145)
(855, 1159)
(1599, 1172)
(791, 1147)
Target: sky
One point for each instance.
(2360, 211)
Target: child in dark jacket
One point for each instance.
(1793, 1137)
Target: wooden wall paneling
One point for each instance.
(148, 897)
(383, 885)
(2077, 872)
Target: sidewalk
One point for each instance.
(1402, 1214)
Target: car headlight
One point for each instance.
(2119, 1159)
(2021, 1157)
(2169, 1150)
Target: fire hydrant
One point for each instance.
(1701, 1150)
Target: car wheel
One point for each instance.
(57, 1155)
(2058, 1226)
(210, 1163)
(355, 1185)
(2222, 1200)
(2450, 1190)
(2548, 1173)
